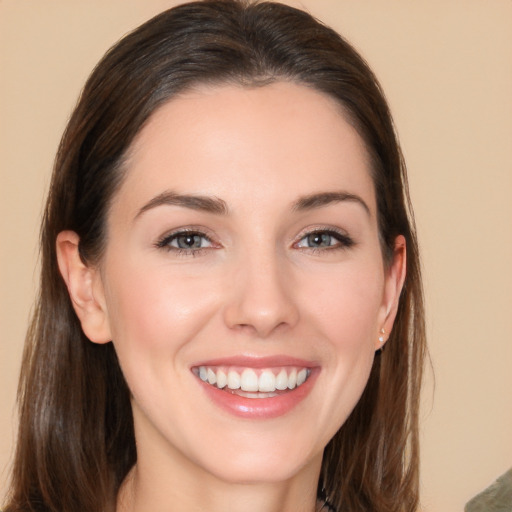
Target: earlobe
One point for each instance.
(84, 287)
(395, 277)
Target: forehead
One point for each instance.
(238, 143)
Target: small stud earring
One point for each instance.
(381, 338)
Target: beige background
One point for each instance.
(446, 66)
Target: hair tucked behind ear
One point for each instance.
(76, 440)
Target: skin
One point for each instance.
(255, 288)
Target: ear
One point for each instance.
(394, 282)
(85, 288)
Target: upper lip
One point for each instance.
(257, 362)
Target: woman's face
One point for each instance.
(243, 250)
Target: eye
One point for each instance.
(185, 242)
(325, 239)
(189, 241)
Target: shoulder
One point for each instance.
(496, 498)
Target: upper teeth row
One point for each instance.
(248, 379)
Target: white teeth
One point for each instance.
(212, 378)
(267, 381)
(251, 380)
(233, 380)
(222, 379)
(292, 379)
(282, 380)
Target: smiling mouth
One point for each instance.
(252, 382)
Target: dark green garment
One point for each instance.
(496, 498)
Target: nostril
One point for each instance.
(259, 301)
(253, 319)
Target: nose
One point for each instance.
(261, 298)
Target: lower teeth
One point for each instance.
(249, 394)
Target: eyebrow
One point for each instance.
(208, 204)
(215, 205)
(313, 201)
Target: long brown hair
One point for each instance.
(76, 440)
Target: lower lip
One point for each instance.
(259, 408)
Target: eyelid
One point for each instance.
(163, 242)
(344, 239)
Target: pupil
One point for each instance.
(189, 241)
(317, 239)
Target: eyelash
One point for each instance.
(166, 240)
(343, 242)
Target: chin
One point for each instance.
(263, 460)
(247, 472)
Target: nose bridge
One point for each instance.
(261, 298)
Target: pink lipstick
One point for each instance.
(253, 387)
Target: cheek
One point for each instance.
(346, 304)
(153, 311)
(155, 314)
(346, 312)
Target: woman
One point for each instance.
(223, 261)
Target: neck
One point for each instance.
(147, 488)
(137, 496)
(249, 476)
